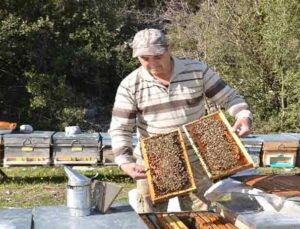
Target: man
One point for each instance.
(161, 95)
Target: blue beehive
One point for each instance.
(280, 150)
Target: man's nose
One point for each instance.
(153, 61)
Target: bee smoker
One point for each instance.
(84, 194)
(78, 193)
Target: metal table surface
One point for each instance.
(58, 217)
(17, 218)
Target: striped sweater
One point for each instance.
(144, 105)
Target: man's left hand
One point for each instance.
(242, 127)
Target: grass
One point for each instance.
(45, 186)
(40, 186)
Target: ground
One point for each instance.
(40, 186)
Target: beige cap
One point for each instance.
(149, 42)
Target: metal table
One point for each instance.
(58, 217)
(19, 218)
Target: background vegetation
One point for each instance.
(62, 60)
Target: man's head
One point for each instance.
(149, 42)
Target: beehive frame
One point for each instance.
(245, 161)
(184, 220)
(155, 197)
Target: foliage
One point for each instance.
(61, 60)
(254, 45)
(62, 57)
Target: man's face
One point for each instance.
(157, 65)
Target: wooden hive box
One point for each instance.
(220, 151)
(106, 150)
(280, 153)
(169, 173)
(253, 145)
(1, 150)
(77, 149)
(27, 148)
(186, 220)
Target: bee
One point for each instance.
(218, 151)
(166, 161)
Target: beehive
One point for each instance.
(253, 145)
(1, 150)
(280, 153)
(27, 148)
(169, 172)
(185, 220)
(220, 151)
(77, 149)
(107, 153)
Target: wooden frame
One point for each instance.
(245, 159)
(155, 197)
(186, 219)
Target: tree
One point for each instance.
(66, 56)
(254, 45)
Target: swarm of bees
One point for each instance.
(217, 148)
(166, 163)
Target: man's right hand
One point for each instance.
(134, 170)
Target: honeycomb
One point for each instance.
(168, 166)
(216, 145)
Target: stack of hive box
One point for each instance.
(77, 149)
(5, 127)
(27, 148)
(1, 149)
(108, 156)
(280, 150)
(253, 145)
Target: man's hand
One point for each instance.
(242, 127)
(134, 170)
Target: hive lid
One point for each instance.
(35, 134)
(106, 139)
(277, 137)
(252, 140)
(83, 136)
(5, 131)
(281, 185)
(75, 178)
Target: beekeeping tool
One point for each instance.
(85, 194)
(78, 193)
